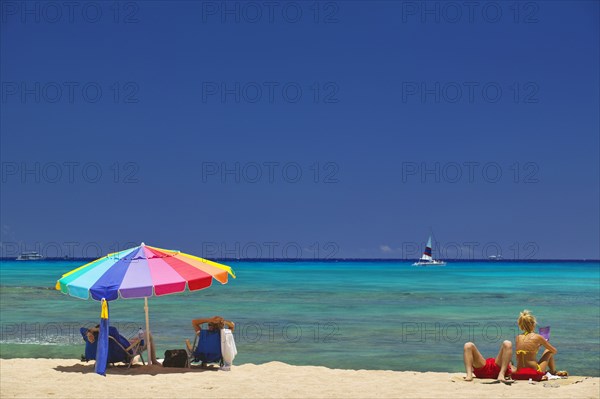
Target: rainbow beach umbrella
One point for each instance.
(142, 272)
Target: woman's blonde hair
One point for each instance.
(527, 321)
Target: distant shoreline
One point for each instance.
(289, 260)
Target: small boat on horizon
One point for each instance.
(30, 255)
(427, 257)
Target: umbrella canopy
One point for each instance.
(142, 272)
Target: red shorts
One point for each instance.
(490, 370)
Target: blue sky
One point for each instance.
(330, 129)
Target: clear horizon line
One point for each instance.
(350, 259)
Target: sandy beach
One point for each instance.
(68, 378)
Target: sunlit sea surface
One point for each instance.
(356, 315)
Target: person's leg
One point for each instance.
(547, 361)
(473, 359)
(552, 365)
(503, 359)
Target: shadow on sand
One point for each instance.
(136, 369)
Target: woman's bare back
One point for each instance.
(527, 349)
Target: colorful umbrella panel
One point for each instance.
(141, 272)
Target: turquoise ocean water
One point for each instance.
(358, 315)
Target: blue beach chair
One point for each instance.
(207, 348)
(117, 348)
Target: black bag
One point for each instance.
(176, 358)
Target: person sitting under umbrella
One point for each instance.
(214, 323)
(92, 335)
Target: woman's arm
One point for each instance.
(197, 323)
(542, 341)
(229, 324)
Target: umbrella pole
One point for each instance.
(148, 340)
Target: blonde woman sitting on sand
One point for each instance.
(498, 368)
(528, 344)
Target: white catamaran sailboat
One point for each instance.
(427, 259)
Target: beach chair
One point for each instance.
(117, 348)
(207, 348)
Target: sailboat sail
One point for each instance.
(427, 257)
(427, 254)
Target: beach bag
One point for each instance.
(176, 358)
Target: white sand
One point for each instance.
(68, 378)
